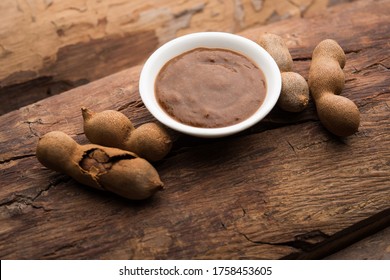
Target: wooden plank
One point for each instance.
(351, 237)
(279, 189)
(47, 47)
(375, 247)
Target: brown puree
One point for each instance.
(210, 88)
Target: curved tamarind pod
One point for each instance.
(337, 113)
(108, 169)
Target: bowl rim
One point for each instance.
(221, 40)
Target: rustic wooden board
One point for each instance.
(47, 47)
(374, 247)
(278, 190)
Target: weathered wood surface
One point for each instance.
(47, 47)
(375, 247)
(277, 190)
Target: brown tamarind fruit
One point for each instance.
(104, 168)
(338, 114)
(294, 94)
(111, 128)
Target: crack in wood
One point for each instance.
(24, 200)
(354, 51)
(315, 143)
(345, 237)
(20, 201)
(368, 67)
(307, 57)
(7, 160)
(55, 252)
(299, 242)
(30, 123)
(302, 58)
(368, 102)
(292, 147)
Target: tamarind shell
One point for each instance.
(150, 141)
(277, 48)
(338, 114)
(59, 152)
(330, 50)
(104, 168)
(131, 178)
(326, 69)
(108, 128)
(325, 76)
(294, 95)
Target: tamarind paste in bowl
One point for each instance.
(210, 87)
(210, 84)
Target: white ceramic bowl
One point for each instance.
(221, 40)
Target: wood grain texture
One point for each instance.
(47, 47)
(279, 189)
(375, 247)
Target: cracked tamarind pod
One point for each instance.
(108, 169)
(111, 128)
(338, 114)
(294, 95)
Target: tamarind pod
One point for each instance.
(104, 168)
(294, 94)
(338, 114)
(150, 141)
